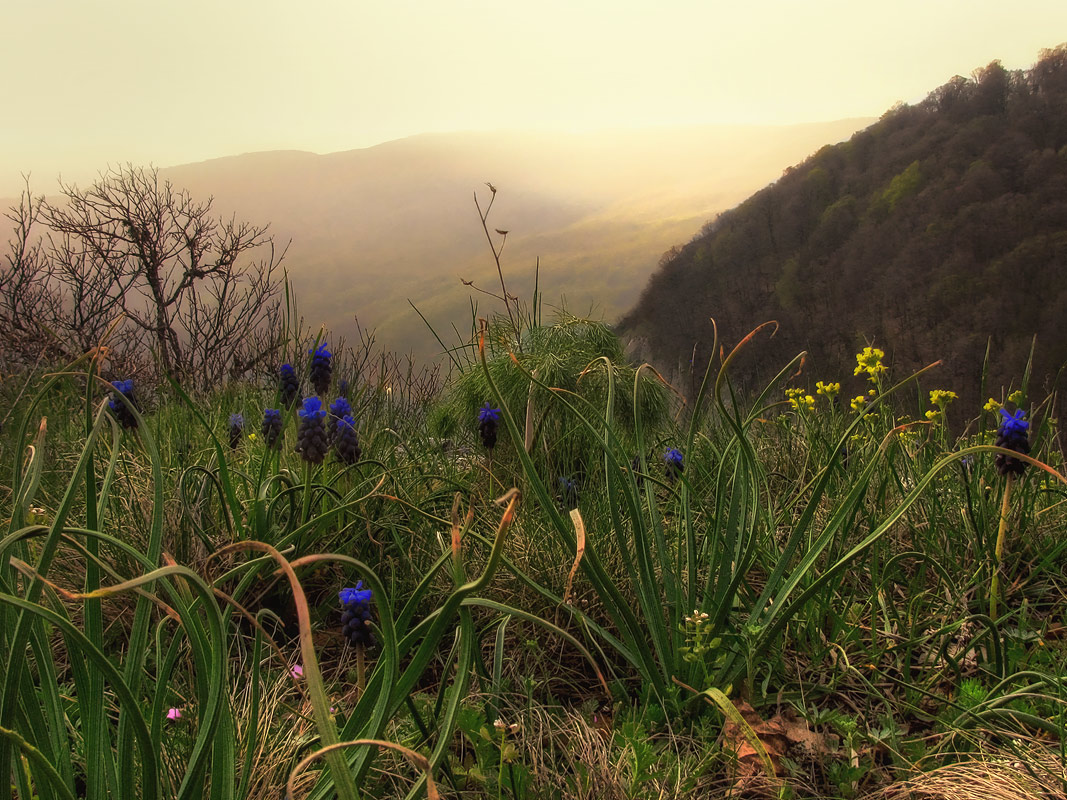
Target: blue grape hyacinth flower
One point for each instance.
(1013, 434)
(675, 464)
(358, 593)
(272, 427)
(311, 435)
(118, 408)
(356, 616)
(321, 369)
(345, 440)
(488, 420)
(237, 429)
(339, 409)
(288, 385)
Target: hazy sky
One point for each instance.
(92, 82)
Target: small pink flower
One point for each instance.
(297, 671)
(174, 714)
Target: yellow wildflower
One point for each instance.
(799, 400)
(828, 390)
(1017, 397)
(870, 362)
(992, 405)
(941, 398)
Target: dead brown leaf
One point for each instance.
(783, 735)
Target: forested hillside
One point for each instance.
(940, 226)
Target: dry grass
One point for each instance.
(1040, 775)
(286, 733)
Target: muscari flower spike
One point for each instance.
(272, 427)
(675, 463)
(118, 408)
(237, 429)
(339, 408)
(288, 385)
(1012, 435)
(342, 388)
(345, 441)
(356, 616)
(321, 369)
(488, 419)
(311, 435)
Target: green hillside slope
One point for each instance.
(943, 224)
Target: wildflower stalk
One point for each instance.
(305, 513)
(998, 552)
(1013, 437)
(500, 766)
(361, 671)
(484, 216)
(93, 609)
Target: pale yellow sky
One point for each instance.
(87, 83)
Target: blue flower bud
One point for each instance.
(488, 418)
(118, 408)
(237, 429)
(311, 435)
(356, 615)
(1012, 435)
(675, 464)
(321, 369)
(288, 385)
(272, 427)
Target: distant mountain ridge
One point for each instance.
(375, 227)
(942, 225)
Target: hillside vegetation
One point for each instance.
(544, 581)
(536, 575)
(376, 227)
(940, 226)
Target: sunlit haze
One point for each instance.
(87, 84)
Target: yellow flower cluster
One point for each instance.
(1018, 397)
(908, 435)
(799, 400)
(870, 362)
(828, 390)
(939, 399)
(858, 402)
(992, 405)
